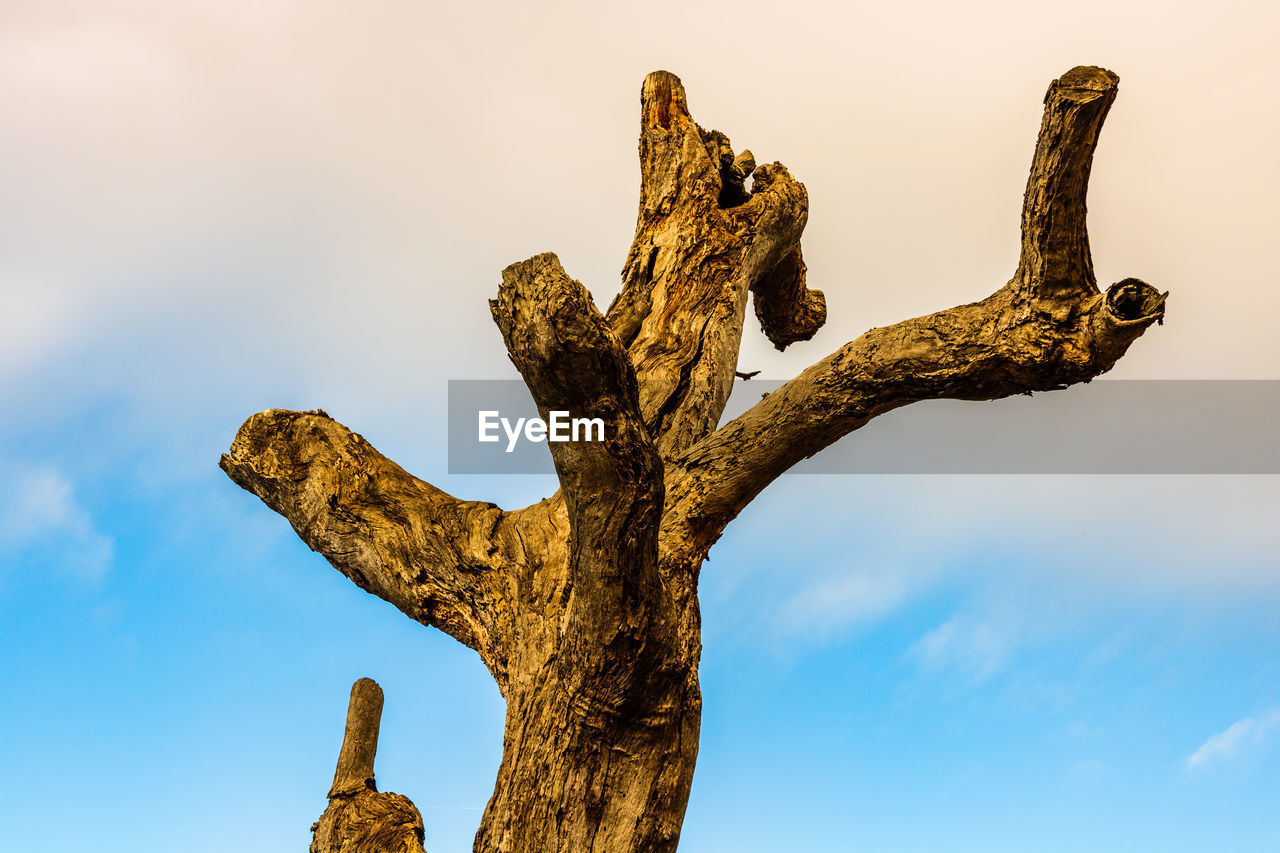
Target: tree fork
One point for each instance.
(584, 606)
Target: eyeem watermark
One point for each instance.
(561, 427)
(1105, 427)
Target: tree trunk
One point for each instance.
(584, 606)
(591, 767)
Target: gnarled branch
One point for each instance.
(438, 559)
(702, 243)
(1046, 329)
(354, 771)
(788, 311)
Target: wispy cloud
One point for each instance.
(836, 602)
(1249, 735)
(40, 518)
(977, 649)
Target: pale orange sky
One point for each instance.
(410, 151)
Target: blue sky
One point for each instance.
(216, 209)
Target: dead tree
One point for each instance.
(360, 819)
(584, 606)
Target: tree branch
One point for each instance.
(358, 818)
(702, 243)
(1055, 263)
(354, 771)
(1047, 329)
(573, 362)
(440, 560)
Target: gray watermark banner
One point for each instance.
(1104, 427)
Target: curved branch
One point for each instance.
(1055, 261)
(438, 559)
(787, 310)
(1048, 328)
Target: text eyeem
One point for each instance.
(561, 427)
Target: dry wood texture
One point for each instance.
(584, 606)
(359, 819)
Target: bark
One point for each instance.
(441, 561)
(595, 755)
(702, 244)
(359, 819)
(584, 606)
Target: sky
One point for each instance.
(217, 208)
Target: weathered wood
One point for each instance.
(701, 245)
(584, 606)
(441, 561)
(354, 772)
(1048, 328)
(593, 754)
(358, 818)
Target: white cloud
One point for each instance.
(837, 601)
(977, 649)
(41, 521)
(1029, 560)
(1249, 735)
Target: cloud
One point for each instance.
(977, 649)
(41, 522)
(1250, 735)
(817, 557)
(837, 601)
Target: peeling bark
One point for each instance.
(584, 606)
